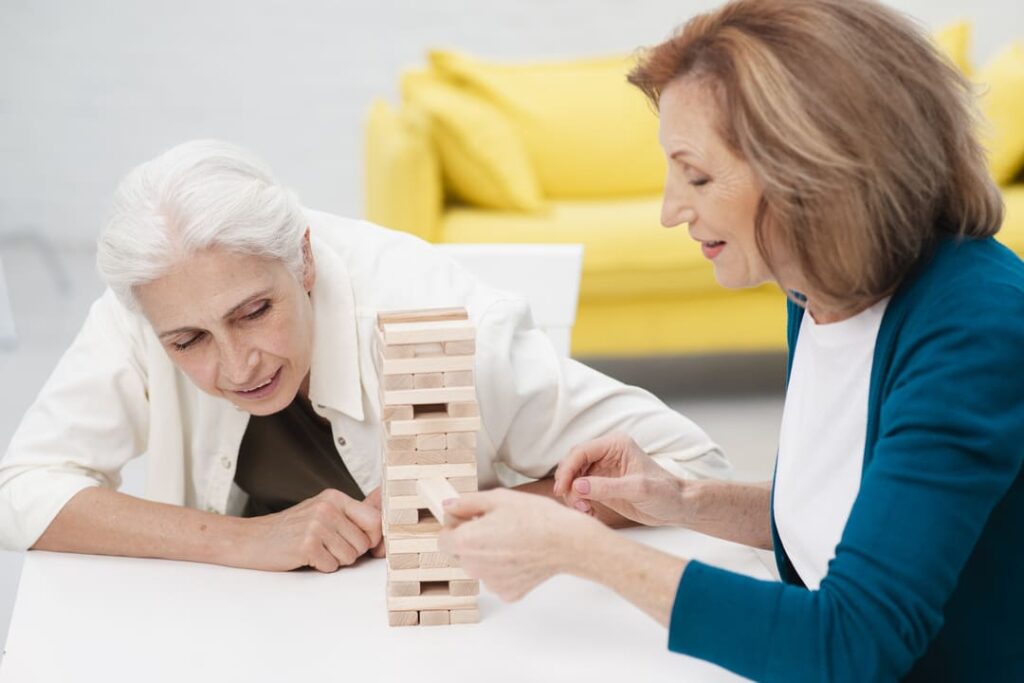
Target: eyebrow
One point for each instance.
(234, 309)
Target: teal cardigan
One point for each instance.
(928, 579)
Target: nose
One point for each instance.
(676, 209)
(237, 362)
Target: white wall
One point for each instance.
(90, 88)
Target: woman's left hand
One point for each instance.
(514, 541)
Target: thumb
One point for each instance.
(373, 498)
(467, 506)
(607, 488)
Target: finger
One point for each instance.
(353, 535)
(378, 550)
(580, 459)
(341, 550)
(608, 488)
(470, 505)
(367, 518)
(323, 560)
(373, 498)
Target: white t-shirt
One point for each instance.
(821, 443)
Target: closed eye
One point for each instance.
(259, 312)
(184, 346)
(700, 182)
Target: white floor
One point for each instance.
(738, 400)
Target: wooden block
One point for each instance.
(398, 382)
(436, 559)
(408, 618)
(403, 588)
(400, 457)
(425, 332)
(431, 442)
(434, 618)
(432, 426)
(434, 491)
(415, 531)
(397, 352)
(460, 348)
(470, 587)
(425, 471)
(465, 616)
(402, 517)
(459, 456)
(414, 502)
(400, 443)
(396, 413)
(413, 364)
(464, 484)
(432, 602)
(420, 315)
(438, 574)
(429, 380)
(460, 378)
(405, 487)
(416, 396)
(432, 457)
(429, 350)
(404, 561)
(468, 409)
(461, 440)
(412, 545)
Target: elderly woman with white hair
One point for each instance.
(233, 348)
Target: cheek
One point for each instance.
(200, 367)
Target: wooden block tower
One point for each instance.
(429, 421)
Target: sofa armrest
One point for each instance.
(403, 186)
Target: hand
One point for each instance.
(513, 541)
(328, 531)
(615, 472)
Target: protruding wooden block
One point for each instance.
(436, 559)
(429, 380)
(460, 378)
(404, 560)
(461, 440)
(396, 413)
(464, 616)
(431, 442)
(435, 491)
(434, 618)
(468, 409)
(460, 348)
(403, 588)
(406, 618)
(468, 587)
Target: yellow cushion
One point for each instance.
(403, 181)
(1003, 106)
(588, 132)
(955, 42)
(482, 156)
(626, 251)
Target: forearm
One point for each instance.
(100, 521)
(543, 487)
(644, 576)
(735, 512)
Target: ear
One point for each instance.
(308, 264)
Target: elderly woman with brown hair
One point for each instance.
(826, 146)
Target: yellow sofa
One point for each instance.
(567, 152)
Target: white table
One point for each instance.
(83, 617)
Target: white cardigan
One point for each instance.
(115, 393)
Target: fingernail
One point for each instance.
(582, 505)
(582, 486)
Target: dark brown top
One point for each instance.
(288, 457)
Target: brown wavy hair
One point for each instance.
(861, 134)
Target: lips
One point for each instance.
(260, 389)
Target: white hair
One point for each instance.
(198, 195)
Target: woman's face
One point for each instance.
(708, 187)
(240, 326)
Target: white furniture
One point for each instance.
(7, 336)
(548, 275)
(86, 618)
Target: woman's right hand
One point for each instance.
(614, 471)
(326, 532)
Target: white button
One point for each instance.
(341, 441)
(225, 461)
